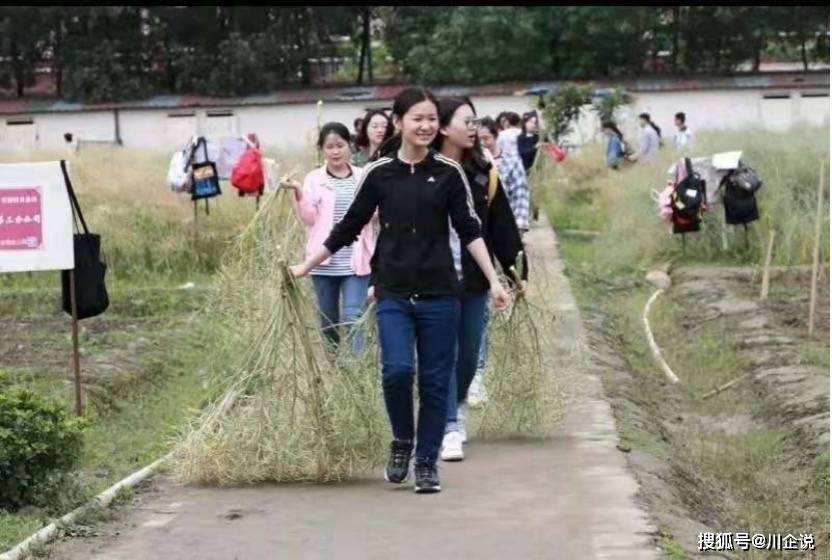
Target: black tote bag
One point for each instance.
(205, 181)
(91, 297)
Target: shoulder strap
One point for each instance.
(76, 208)
(493, 180)
(689, 167)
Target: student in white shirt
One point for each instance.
(507, 139)
(649, 139)
(683, 139)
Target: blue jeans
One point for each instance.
(484, 346)
(352, 291)
(472, 321)
(431, 324)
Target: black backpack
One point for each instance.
(689, 194)
(738, 195)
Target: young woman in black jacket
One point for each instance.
(419, 195)
(458, 141)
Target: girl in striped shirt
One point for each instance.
(342, 280)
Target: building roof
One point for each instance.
(782, 80)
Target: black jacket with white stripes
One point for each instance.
(412, 257)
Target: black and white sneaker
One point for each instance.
(398, 466)
(427, 479)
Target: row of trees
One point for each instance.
(121, 52)
(497, 43)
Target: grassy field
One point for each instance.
(143, 360)
(731, 465)
(581, 194)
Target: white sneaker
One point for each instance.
(461, 413)
(476, 393)
(452, 447)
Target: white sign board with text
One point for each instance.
(35, 218)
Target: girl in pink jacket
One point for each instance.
(341, 281)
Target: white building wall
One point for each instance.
(292, 127)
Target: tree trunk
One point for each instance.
(801, 30)
(674, 55)
(362, 55)
(17, 70)
(368, 36)
(57, 59)
(803, 53)
(758, 47)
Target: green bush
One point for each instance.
(38, 441)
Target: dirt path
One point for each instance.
(568, 497)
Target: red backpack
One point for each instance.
(247, 175)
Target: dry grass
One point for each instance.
(582, 194)
(289, 411)
(148, 231)
(524, 396)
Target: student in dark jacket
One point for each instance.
(419, 195)
(458, 141)
(528, 140)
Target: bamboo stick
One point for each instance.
(767, 268)
(816, 253)
(724, 387)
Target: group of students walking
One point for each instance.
(416, 229)
(650, 140)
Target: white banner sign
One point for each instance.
(35, 218)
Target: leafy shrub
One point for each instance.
(563, 107)
(37, 442)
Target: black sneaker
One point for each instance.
(398, 466)
(427, 479)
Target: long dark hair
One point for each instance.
(473, 158)
(361, 138)
(406, 99)
(611, 126)
(646, 116)
(527, 117)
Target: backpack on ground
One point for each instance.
(247, 175)
(688, 201)
(738, 197)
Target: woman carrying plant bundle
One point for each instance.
(416, 191)
(457, 140)
(512, 173)
(321, 202)
(376, 128)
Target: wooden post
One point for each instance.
(767, 267)
(813, 301)
(76, 357)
